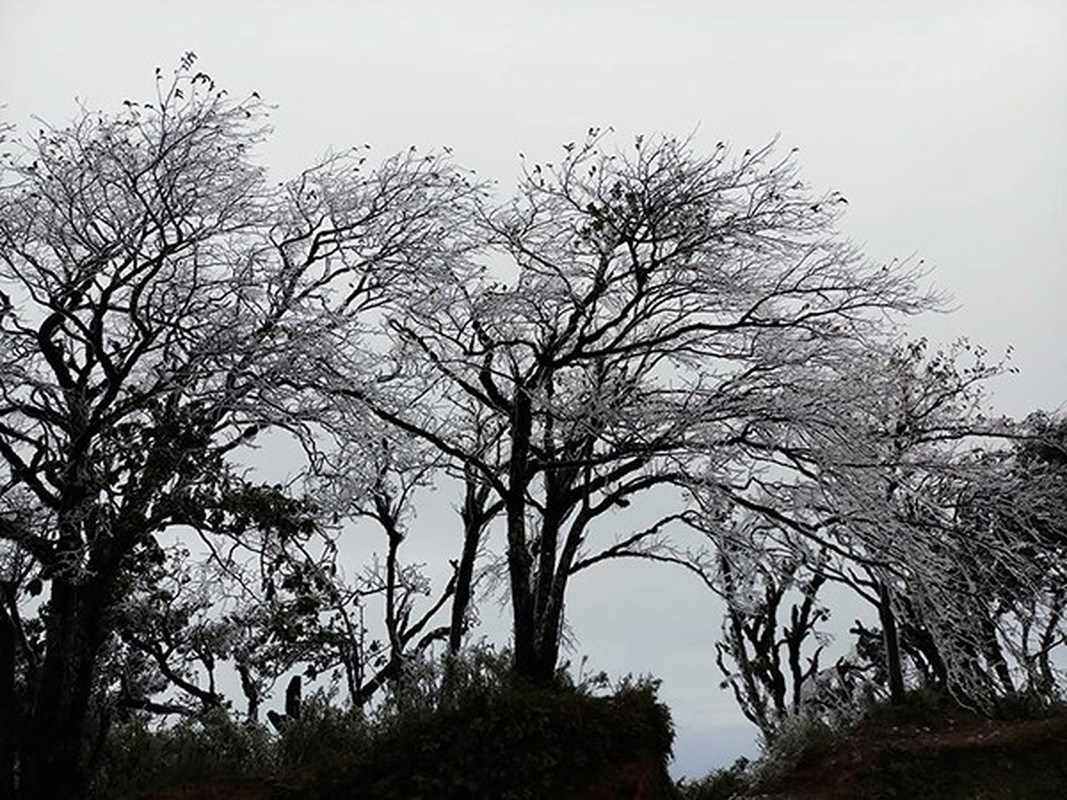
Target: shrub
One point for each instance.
(925, 706)
(429, 685)
(457, 727)
(720, 784)
(477, 733)
(800, 740)
(1027, 706)
(324, 738)
(136, 758)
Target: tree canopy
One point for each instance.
(644, 352)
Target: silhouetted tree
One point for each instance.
(159, 301)
(670, 320)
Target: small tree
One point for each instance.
(374, 476)
(1020, 499)
(892, 506)
(770, 665)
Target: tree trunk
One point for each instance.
(53, 762)
(8, 722)
(891, 637)
(524, 628)
(474, 522)
(550, 627)
(995, 657)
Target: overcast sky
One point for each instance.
(944, 123)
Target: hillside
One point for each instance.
(961, 756)
(548, 745)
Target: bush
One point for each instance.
(799, 741)
(926, 706)
(457, 727)
(1027, 706)
(478, 733)
(430, 685)
(135, 758)
(720, 784)
(324, 738)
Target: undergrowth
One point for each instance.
(472, 731)
(1028, 762)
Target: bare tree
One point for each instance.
(769, 664)
(666, 315)
(374, 476)
(892, 502)
(159, 302)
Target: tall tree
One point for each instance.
(159, 300)
(662, 321)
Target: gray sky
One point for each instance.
(944, 123)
